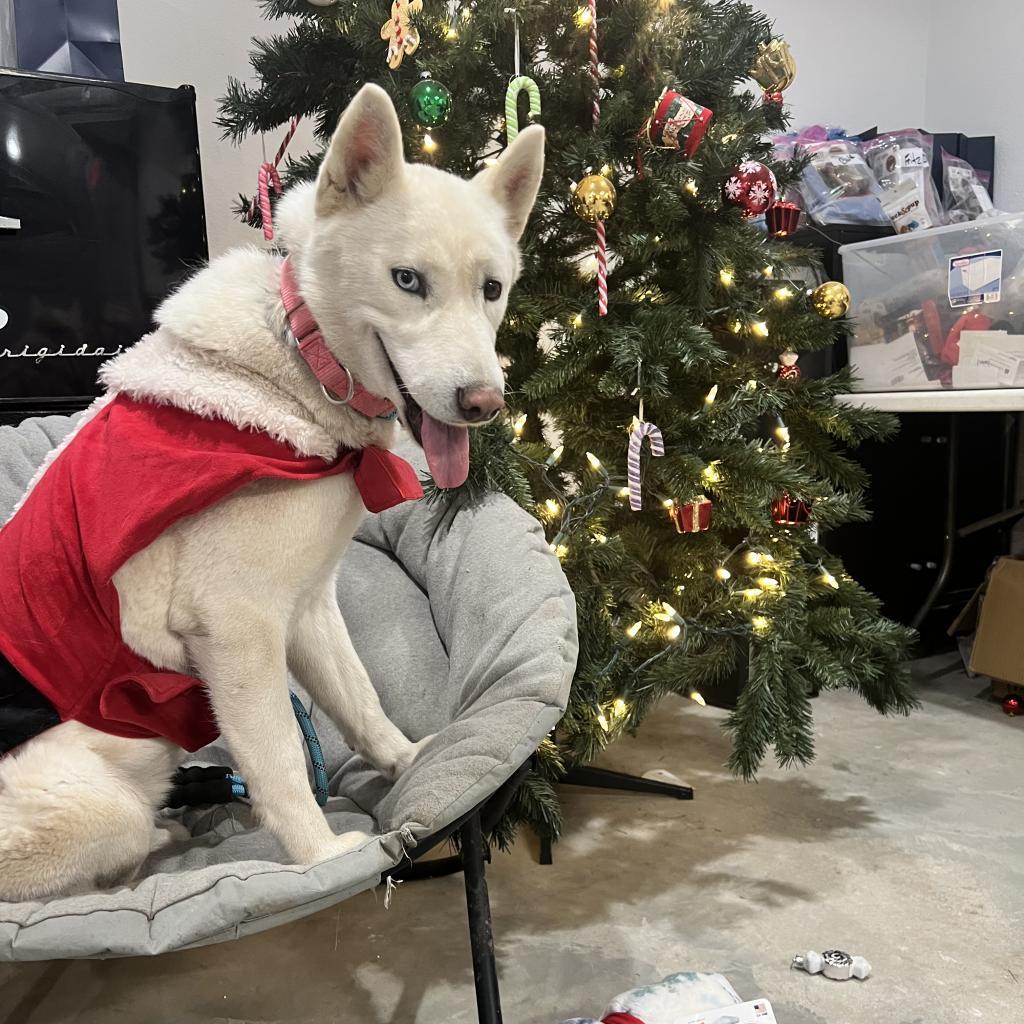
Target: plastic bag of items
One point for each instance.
(966, 191)
(675, 1000)
(837, 186)
(902, 164)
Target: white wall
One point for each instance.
(976, 81)
(201, 43)
(858, 63)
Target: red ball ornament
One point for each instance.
(751, 187)
(1012, 706)
(787, 511)
(782, 219)
(773, 99)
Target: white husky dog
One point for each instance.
(407, 270)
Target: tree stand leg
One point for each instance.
(605, 778)
(481, 939)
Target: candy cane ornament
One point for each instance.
(636, 440)
(268, 179)
(602, 244)
(515, 87)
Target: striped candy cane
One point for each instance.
(270, 179)
(636, 440)
(602, 244)
(592, 5)
(602, 270)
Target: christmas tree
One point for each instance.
(664, 334)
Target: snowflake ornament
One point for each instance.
(752, 187)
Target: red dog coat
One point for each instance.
(129, 473)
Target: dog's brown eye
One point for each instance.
(492, 290)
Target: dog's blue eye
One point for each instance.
(409, 281)
(492, 290)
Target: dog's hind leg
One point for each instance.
(77, 809)
(322, 657)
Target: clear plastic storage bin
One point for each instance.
(942, 308)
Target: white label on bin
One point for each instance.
(975, 278)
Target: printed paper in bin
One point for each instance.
(975, 277)
(891, 366)
(989, 359)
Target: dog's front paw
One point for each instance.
(404, 759)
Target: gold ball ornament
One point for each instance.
(774, 69)
(593, 198)
(831, 300)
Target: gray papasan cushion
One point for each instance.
(467, 627)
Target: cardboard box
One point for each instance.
(999, 643)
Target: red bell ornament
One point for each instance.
(752, 187)
(782, 219)
(788, 511)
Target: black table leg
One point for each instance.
(481, 938)
(949, 529)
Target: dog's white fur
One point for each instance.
(245, 591)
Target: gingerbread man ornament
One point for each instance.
(402, 38)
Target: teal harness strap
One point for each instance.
(316, 753)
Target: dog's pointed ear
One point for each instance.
(365, 154)
(515, 178)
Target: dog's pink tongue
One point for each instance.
(447, 451)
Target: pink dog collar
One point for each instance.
(334, 379)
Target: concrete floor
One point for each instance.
(904, 843)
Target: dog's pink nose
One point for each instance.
(479, 404)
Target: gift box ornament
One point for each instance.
(692, 517)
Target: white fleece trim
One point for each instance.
(161, 368)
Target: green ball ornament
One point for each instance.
(431, 102)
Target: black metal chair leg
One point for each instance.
(481, 938)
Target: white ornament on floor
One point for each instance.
(834, 964)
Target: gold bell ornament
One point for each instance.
(593, 199)
(831, 300)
